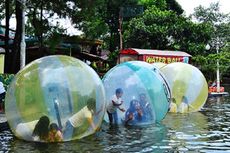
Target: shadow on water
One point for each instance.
(204, 131)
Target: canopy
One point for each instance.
(154, 52)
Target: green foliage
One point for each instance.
(94, 29)
(166, 30)
(113, 57)
(191, 37)
(174, 6)
(211, 14)
(54, 40)
(161, 26)
(6, 79)
(2, 15)
(219, 35)
(208, 64)
(163, 5)
(3, 7)
(160, 4)
(150, 29)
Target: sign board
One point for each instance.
(132, 11)
(153, 56)
(163, 59)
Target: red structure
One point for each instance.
(152, 56)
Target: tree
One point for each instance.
(103, 19)
(7, 16)
(174, 6)
(112, 17)
(17, 39)
(164, 29)
(163, 5)
(5, 12)
(219, 36)
(38, 13)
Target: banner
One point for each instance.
(163, 59)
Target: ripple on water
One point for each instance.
(206, 131)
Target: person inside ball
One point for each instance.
(80, 121)
(41, 129)
(173, 106)
(184, 106)
(134, 113)
(146, 108)
(55, 134)
(114, 104)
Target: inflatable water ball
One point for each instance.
(135, 94)
(188, 86)
(155, 68)
(55, 98)
(159, 64)
(163, 78)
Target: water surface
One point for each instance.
(204, 131)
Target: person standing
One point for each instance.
(115, 104)
(2, 96)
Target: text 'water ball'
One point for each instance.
(55, 94)
(188, 86)
(136, 93)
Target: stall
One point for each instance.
(152, 56)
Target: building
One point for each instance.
(153, 56)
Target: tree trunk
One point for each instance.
(17, 39)
(8, 56)
(22, 43)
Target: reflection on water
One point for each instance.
(204, 131)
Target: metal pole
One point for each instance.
(217, 64)
(23, 44)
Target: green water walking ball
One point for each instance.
(55, 98)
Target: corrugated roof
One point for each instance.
(159, 52)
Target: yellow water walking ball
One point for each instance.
(55, 98)
(188, 86)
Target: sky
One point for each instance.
(187, 5)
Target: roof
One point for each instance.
(154, 52)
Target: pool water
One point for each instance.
(204, 131)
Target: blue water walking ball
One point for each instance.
(135, 94)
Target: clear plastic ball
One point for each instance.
(188, 86)
(135, 93)
(55, 93)
(159, 64)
